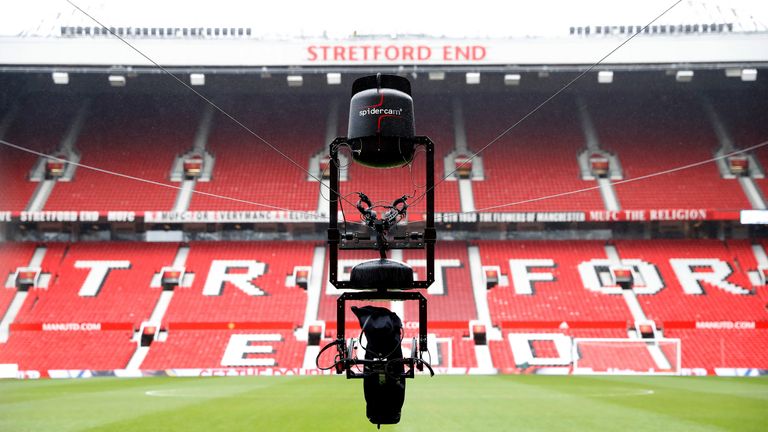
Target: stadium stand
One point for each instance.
(717, 282)
(151, 133)
(206, 348)
(39, 124)
(745, 119)
(516, 166)
(696, 298)
(731, 348)
(563, 298)
(53, 350)
(505, 361)
(294, 124)
(264, 298)
(454, 300)
(657, 132)
(78, 293)
(199, 326)
(12, 256)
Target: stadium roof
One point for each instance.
(345, 19)
(430, 33)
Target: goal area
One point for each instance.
(615, 356)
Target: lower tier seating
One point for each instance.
(54, 350)
(225, 348)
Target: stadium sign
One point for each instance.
(396, 53)
(231, 217)
(215, 216)
(737, 48)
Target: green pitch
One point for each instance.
(443, 403)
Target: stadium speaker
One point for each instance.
(479, 335)
(381, 125)
(313, 338)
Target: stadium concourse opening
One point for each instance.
(582, 205)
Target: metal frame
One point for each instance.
(429, 237)
(346, 361)
(427, 242)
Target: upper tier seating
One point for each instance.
(744, 115)
(654, 133)
(39, 125)
(535, 159)
(246, 168)
(133, 135)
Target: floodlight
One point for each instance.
(512, 79)
(684, 76)
(334, 78)
(605, 77)
(117, 80)
(61, 78)
(295, 80)
(197, 79)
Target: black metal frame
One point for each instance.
(429, 236)
(346, 362)
(426, 241)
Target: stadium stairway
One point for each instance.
(157, 317)
(655, 351)
(187, 187)
(67, 148)
(751, 190)
(592, 141)
(461, 152)
(20, 296)
(674, 128)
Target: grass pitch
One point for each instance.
(442, 403)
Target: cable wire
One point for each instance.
(201, 96)
(625, 181)
(153, 182)
(547, 100)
